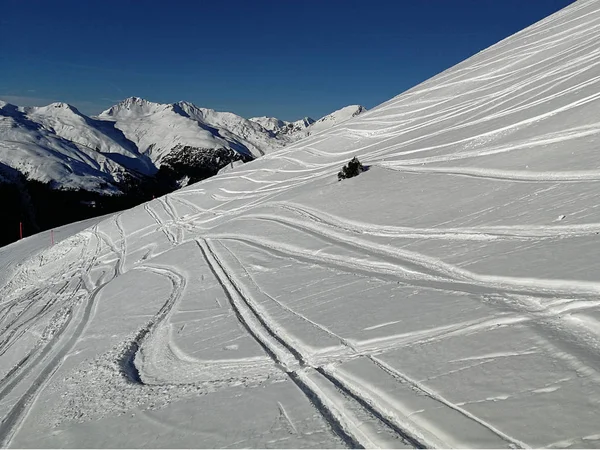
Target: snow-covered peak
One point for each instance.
(8, 108)
(283, 127)
(188, 107)
(60, 145)
(158, 128)
(219, 119)
(302, 123)
(60, 105)
(344, 113)
(268, 123)
(293, 131)
(135, 134)
(131, 107)
(53, 109)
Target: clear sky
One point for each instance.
(282, 58)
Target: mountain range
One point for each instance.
(132, 151)
(60, 145)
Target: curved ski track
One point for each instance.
(421, 271)
(581, 295)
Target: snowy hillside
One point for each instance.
(446, 297)
(67, 122)
(158, 129)
(59, 145)
(294, 131)
(30, 144)
(335, 118)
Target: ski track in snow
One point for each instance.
(435, 130)
(46, 358)
(292, 358)
(341, 424)
(520, 293)
(294, 363)
(358, 393)
(369, 350)
(505, 175)
(165, 228)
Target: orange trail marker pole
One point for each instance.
(20, 230)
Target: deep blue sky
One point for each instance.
(283, 58)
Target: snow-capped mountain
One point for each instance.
(157, 129)
(67, 122)
(290, 131)
(57, 144)
(269, 123)
(136, 149)
(448, 297)
(294, 131)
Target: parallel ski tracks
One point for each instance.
(367, 402)
(521, 295)
(293, 362)
(436, 274)
(423, 390)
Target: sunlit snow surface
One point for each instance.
(447, 297)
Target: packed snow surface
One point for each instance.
(447, 297)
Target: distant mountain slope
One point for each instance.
(59, 145)
(289, 131)
(30, 144)
(102, 136)
(157, 128)
(294, 131)
(136, 149)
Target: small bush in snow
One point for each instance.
(353, 168)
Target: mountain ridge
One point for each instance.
(136, 149)
(134, 135)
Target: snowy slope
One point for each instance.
(157, 128)
(447, 297)
(335, 118)
(67, 122)
(294, 131)
(29, 145)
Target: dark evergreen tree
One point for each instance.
(352, 169)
